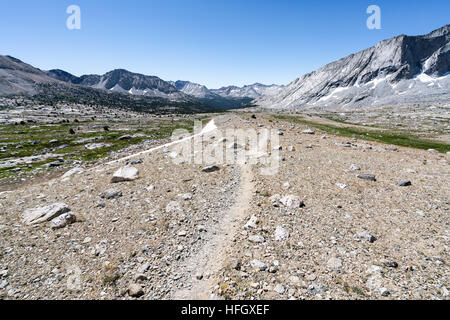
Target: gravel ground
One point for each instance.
(353, 238)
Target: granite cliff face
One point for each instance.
(404, 69)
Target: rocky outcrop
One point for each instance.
(400, 70)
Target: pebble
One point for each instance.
(210, 169)
(3, 284)
(370, 177)
(186, 196)
(281, 234)
(256, 239)
(334, 263)
(365, 236)
(279, 288)
(236, 264)
(144, 268)
(256, 264)
(111, 194)
(135, 290)
(63, 220)
(252, 223)
(292, 202)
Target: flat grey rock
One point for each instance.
(42, 214)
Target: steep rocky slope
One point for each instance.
(404, 69)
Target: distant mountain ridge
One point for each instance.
(254, 91)
(19, 78)
(400, 70)
(123, 81)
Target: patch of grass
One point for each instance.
(388, 137)
(358, 291)
(19, 140)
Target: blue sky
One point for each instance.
(212, 42)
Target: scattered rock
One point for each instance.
(63, 220)
(135, 290)
(182, 233)
(136, 162)
(374, 282)
(281, 234)
(286, 185)
(334, 263)
(72, 172)
(173, 206)
(111, 194)
(252, 223)
(345, 145)
(186, 196)
(236, 264)
(365, 236)
(275, 199)
(234, 145)
(43, 214)
(256, 264)
(405, 183)
(370, 177)
(125, 174)
(3, 284)
(292, 202)
(210, 169)
(308, 131)
(256, 239)
(390, 264)
(279, 288)
(140, 277)
(384, 292)
(311, 277)
(172, 155)
(199, 276)
(144, 268)
(93, 146)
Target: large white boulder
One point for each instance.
(125, 174)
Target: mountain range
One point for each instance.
(17, 77)
(401, 70)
